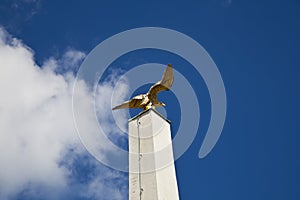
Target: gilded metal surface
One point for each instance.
(149, 100)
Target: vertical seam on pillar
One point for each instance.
(139, 152)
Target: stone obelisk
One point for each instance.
(151, 163)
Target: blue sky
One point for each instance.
(255, 45)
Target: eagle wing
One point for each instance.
(164, 84)
(135, 102)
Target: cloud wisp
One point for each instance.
(40, 153)
(23, 11)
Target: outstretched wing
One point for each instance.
(135, 102)
(164, 84)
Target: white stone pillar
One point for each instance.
(151, 163)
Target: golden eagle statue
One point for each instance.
(149, 100)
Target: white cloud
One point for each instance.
(36, 124)
(103, 105)
(70, 60)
